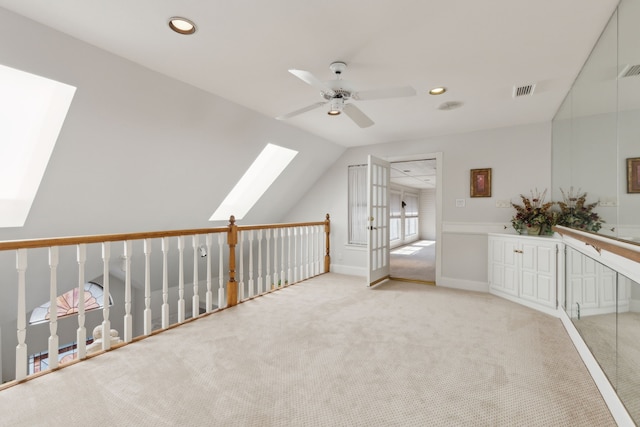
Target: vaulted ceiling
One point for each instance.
(242, 51)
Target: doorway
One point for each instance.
(413, 223)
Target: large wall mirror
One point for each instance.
(595, 131)
(597, 128)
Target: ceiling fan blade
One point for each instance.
(310, 79)
(300, 111)
(396, 92)
(357, 116)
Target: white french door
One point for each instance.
(378, 175)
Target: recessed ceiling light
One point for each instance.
(182, 25)
(437, 91)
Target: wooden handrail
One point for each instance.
(67, 241)
(600, 243)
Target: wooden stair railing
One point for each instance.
(300, 246)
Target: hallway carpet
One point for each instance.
(416, 261)
(331, 352)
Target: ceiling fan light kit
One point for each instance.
(336, 92)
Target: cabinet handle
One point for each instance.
(518, 251)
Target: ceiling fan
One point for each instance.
(337, 92)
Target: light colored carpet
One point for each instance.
(416, 261)
(331, 352)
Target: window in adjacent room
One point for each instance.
(410, 215)
(254, 183)
(32, 111)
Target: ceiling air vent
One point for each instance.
(526, 90)
(450, 105)
(630, 71)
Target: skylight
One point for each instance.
(32, 111)
(254, 183)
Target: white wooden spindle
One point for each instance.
(181, 304)
(241, 294)
(316, 265)
(252, 290)
(302, 252)
(21, 348)
(260, 281)
(147, 288)
(320, 247)
(296, 277)
(268, 281)
(221, 300)
(289, 271)
(209, 298)
(106, 299)
(283, 277)
(54, 341)
(309, 238)
(81, 333)
(165, 283)
(128, 319)
(195, 303)
(276, 278)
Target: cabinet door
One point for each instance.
(503, 268)
(538, 273)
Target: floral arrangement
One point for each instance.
(534, 214)
(575, 212)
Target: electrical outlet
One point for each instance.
(460, 203)
(503, 204)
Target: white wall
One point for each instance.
(520, 158)
(428, 214)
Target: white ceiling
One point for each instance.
(415, 173)
(242, 50)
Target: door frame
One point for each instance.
(439, 167)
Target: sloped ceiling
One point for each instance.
(242, 50)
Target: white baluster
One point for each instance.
(195, 303)
(268, 281)
(303, 251)
(106, 323)
(181, 304)
(308, 247)
(165, 283)
(147, 289)
(283, 277)
(128, 319)
(21, 348)
(289, 270)
(81, 335)
(209, 300)
(276, 279)
(316, 258)
(241, 294)
(54, 342)
(260, 286)
(221, 300)
(295, 256)
(252, 290)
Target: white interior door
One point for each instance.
(378, 209)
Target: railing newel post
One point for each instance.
(327, 256)
(232, 241)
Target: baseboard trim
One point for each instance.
(617, 409)
(348, 270)
(462, 284)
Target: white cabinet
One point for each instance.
(524, 269)
(593, 288)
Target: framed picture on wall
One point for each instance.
(633, 175)
(481, 182)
